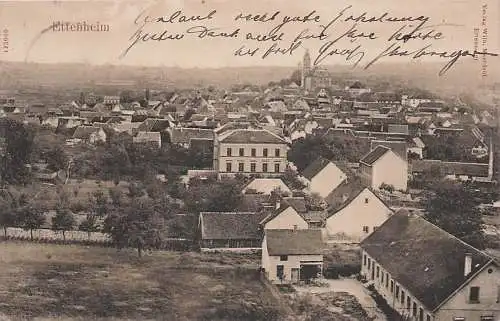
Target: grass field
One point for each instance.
(54, 282)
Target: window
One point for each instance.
(264, 152)
(378, 271)
(392, 286)
(387, 281)
(277, 152)
(280, 271)
(428, 318)
(366, 200)
(242, 152)
(254, 152)
(458, 319)
(408, 303)
(284, 258)
(364, 259)
(402, 297)
(382, 279)
(264, 167)
(229, 167)
(414, 309)
(277, 168)
(474, 294)
(487, 318)
(228, 152)
(375, 228)
(366, 229)
(498, 294)
(421, 315)
(253, 167)
(397, 291)
(369, 263)
(241, 167)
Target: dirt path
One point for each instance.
(353, 287)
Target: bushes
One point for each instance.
(341, 270)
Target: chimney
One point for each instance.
(468, 264)
(278, 204)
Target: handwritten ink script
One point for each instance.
(360, 38)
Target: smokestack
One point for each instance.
(468, 264)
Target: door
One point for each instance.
(280, 272)
(295, 275)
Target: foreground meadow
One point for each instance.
(62, 282)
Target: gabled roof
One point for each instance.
(344, 194)
(84, 132)
(423, 258)
(185, 135)
(400, 148)
(148, 136)
(267, 185)
(297, 203)
(370, 158)
(225, 226)
(294, 242)
(315, 167)
(154, 125)
(251, 136)
(254, 203)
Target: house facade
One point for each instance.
(383, 166)
(359, 216)
(250, 151)
(291, 256)
(426, 274)
(322, 177)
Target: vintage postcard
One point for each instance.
(250, 160)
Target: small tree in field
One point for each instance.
(89, 225)
(7, 216)
(63, 221)
(137, 225)
(31, 218)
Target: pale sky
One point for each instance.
(26, 19)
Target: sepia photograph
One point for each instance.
(265, 160)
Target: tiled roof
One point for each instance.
(184, 135)
(225, 226)
(374, 155)
(315, 167)
(450, 168)
(148, 136)
(267, 185)
(84, 132)
(423, 258)
(294, 242)
(297, 203)
(249, 136)
(344, 194)
(398, 147)
(154, 125)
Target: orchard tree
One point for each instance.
(452, 207)
(7, 215)
(136, 225)
(63, 221)
(31, 217)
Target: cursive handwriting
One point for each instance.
(347, 34)
(179, 17)
(202, 32)
(396, 50)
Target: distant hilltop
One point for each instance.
(466, 75)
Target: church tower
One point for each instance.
(306, 67)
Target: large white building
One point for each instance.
(426, 274)
(250, 151)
